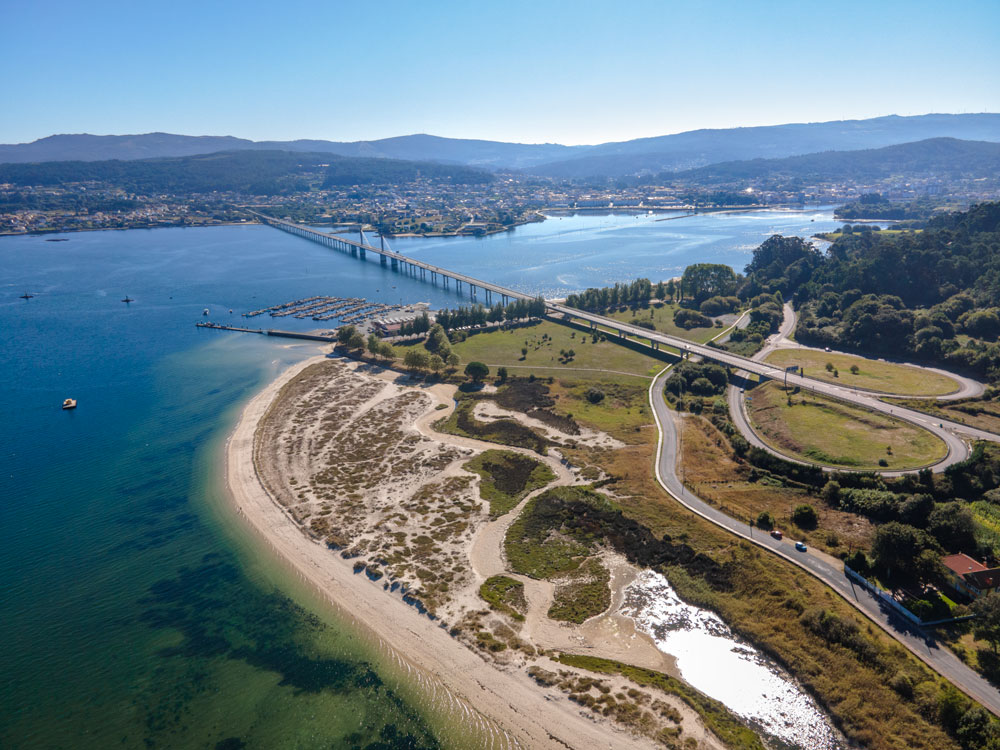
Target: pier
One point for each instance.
(271, 332)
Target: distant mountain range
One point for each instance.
(256, 172)
(947, 157)
(681, 151)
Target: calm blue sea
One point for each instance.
(133, 612)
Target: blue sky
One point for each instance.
(569, 72)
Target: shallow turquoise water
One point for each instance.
(129, 618)
(133, 613)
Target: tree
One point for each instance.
(386, 352)
(804, 516)
(453, 361)
(858, 562)
(477, 371)
(356, 341)
(953, 525)
(704, 280)
(987, 623)
(974, 730)
(344, 333)
(895, 547)
(416, 359)
(502, 375)
(435, 363)
(831, 493)
(436, 339)
(374, 345)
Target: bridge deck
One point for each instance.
(327, 238)
(942, 428)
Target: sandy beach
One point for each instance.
(502, 705)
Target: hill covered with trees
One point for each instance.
(932, 295)
(940, 156)
(252, 172)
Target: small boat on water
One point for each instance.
(27, 296)
(127, 299)
(69, 403)
(205, 311)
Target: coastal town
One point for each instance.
(500, 376)
(438, 208)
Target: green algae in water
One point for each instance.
(276, 675)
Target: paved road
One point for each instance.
(950, 432)
(958, 449)
(829, 571)
(968, 388)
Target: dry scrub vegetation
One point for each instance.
(338, 451)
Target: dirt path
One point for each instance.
(506, 706)
(612, 635)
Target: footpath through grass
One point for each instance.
(546, 348)
(873, 375)
(833, 433)
(662, 317)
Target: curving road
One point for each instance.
(958, 449)
(827, 569)
(968, 388)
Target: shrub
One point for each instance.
(595, 395)
(687, 319)
(765, 521)
(804, 516)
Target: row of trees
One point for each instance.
(699, 283)
(475, 315)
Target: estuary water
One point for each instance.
(136, 612)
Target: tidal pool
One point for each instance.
(714, 660)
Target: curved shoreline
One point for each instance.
(505, 703)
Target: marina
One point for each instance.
(367, 315)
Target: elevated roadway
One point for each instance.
(954, 434)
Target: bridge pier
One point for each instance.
(488, 298)
(361, 252)
(395, 264)
(383, 260)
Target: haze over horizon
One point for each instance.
(521, 73)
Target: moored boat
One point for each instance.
(69, 403)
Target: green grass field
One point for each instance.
(834, 236)
(833, 433)
(662, 316)
(545, 342)
(872, 375)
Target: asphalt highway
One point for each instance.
(828, 570)
(950, 432)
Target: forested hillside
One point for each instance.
(254, 172)
(940, 156)
(932, 295)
